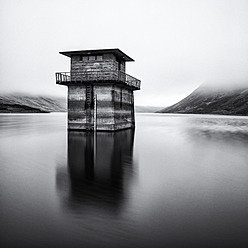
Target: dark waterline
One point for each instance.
(177, 181)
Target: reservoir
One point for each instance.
(174, 181)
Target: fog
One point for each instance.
(177, 45)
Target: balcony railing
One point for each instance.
(67, 78)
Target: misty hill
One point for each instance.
(31, 104)
(213, 100)
(17, 103)
(146, 109)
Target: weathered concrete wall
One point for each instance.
(76, 107)
(123, 107)
(115, 108)
(105, 107)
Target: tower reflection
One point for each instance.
(98, 171)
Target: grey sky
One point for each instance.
(176, 44)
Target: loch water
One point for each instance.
(174, 181)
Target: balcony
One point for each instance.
(67, 78)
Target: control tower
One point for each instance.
(100, 93)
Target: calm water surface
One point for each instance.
(177, 181)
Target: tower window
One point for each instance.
(91, 58)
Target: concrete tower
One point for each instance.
(100, 93)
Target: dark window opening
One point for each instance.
(91, 58)
(99, 57)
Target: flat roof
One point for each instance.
(117, 52)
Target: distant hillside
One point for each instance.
(146, 109)
(31, 104)
(212, 100)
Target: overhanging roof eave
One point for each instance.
(116, 52)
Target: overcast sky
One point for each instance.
(176, 44)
